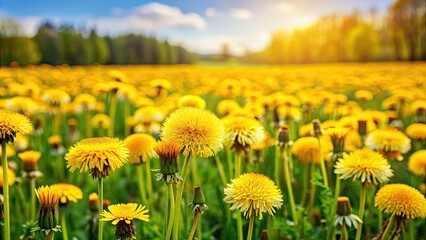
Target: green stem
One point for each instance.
(289, 186)
(344, 232)
(250, 229)
(229, 161)
(194, 226)
(179, 197)
(88, 123)
(311, 191)
(277, 166)
(239, 225)
(64, 227)
(23, 202)
(305, 184)
(380, 219)
(361, 210)
(334, 208)
(126, 112)
(387, 227)
(6, 192)
(60, 166)
(322, 163)
(140, 183)
(220, 169)
(112, 109)
(32, 199)
(237, 164)
(149, 183)
(171, 211)
(101, 203)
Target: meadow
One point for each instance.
(340, 150)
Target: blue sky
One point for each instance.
(199, 25)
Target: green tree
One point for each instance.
(49, 44)
(363, 43)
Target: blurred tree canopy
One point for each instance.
(66, 45)
(398, 35)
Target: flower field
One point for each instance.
(326, 151)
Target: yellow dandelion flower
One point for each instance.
(366, 165)
(416, 131)
(168, 152)
(11, 177)
(12, 123)
(70, 192)
(198, 130)
(253, 194)
(364, 95)
(30, 156)
(101, 121)
(122, 215)
(227, 106)
(241, 132)
(148, 115)
(401, 200)
(140, 146)
(97, 155)
(417, 163)
(389, 141)
(85, 101)
(191, 101)
(306, 149)
(55, 97)
(352, 141)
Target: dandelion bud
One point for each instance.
(362, 127)
(93, 202)
(344, 214)
(283, 136)
(168, 151)
(317, 132)
(48, 197)
(343, 206)
(198, 203)
(264, 235)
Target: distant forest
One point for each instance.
(66, 45)
(397, 35)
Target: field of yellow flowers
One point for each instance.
(192, 152)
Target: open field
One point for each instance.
(262, 121)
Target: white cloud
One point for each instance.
(241, 13)
(117, 11)
(283, 7)
(29, 25)
(150, 17)
(210, 12)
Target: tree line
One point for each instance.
(398, 35)
(67, 45)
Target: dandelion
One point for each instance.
(306, 150)
(417, 163)
(344, 217)
(71, 193)
(389, 141)
(199, 131)
(241, 132)
(367, 166)
(122, 216)
(168, 151)
(98, 156)
(253, 194)
(416, 131)
(191, 101)
(11, 177)
(140, 147)
(11, 123)
(30, 159)
(101, 121)
(402, 201)
(48, 197)
(198, 207)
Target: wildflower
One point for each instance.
(253, 194)
(227, 106)
(11, 177)
(364, 95)
(85, 101)
(337, 136)
(366, 165)
(93, 202)
(101, 121)
(168, 151)
(241, 132)
(148, 115)
(99, 156)
(198, 207)
(48, 197)
(55, 97)
(344, 214)
(389, 141)
(306, 149)
(122, 215)
(140, 147)
(70, 192)
(416, 131)
(401, 200)
(12, 123)
(191, 101)
(55, 142)
(30, 160)
(199, 131)
(417, 163)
